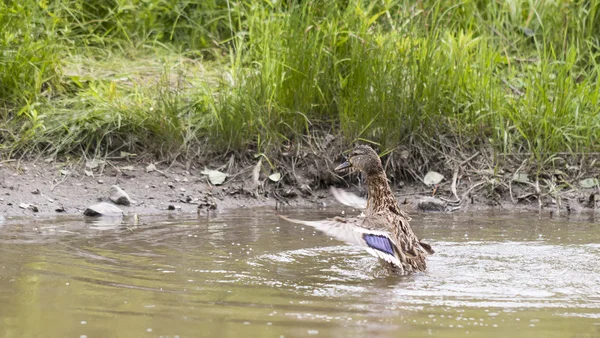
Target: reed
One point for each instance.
(190, 77)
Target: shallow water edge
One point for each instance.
(248, 273)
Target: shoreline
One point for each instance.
(40, 190)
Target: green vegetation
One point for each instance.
(209, 76)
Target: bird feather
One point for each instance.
(353, 231)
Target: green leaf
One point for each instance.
(374, 18)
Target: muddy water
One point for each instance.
(247, 274)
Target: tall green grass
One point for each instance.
(185, 77)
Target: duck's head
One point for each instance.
(363, 158)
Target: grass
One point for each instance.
(190, 78)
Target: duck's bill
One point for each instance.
(343, 166)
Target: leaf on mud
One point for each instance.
(150, 168)
(521, 178)
(256, 173)
(128, 168)
(214, 176)
(588, 182)
(65, 172)
(88, 173)
(93, 163)
(275, 177)
(432, 178)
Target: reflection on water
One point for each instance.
(249, 274)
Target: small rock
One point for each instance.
(103, 209)
(119, 196)
(170, 207)
(29, 206)
(151, 167)
(171, 185)
(100, 182)
(36, 192)
(60, 209)
(182, 189)
(208, 203)
(431, 204)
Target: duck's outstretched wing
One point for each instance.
(348, 199)
(376, 242)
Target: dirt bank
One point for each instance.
(41, 189)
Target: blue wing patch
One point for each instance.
(380, 243)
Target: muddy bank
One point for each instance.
(43, 189)
(39, 189)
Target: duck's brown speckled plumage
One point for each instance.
(382, 218)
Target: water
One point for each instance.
(247, 274)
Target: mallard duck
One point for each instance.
(383, 229)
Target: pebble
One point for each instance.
(103, 209)
(119, 196)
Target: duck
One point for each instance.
(383, 228)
